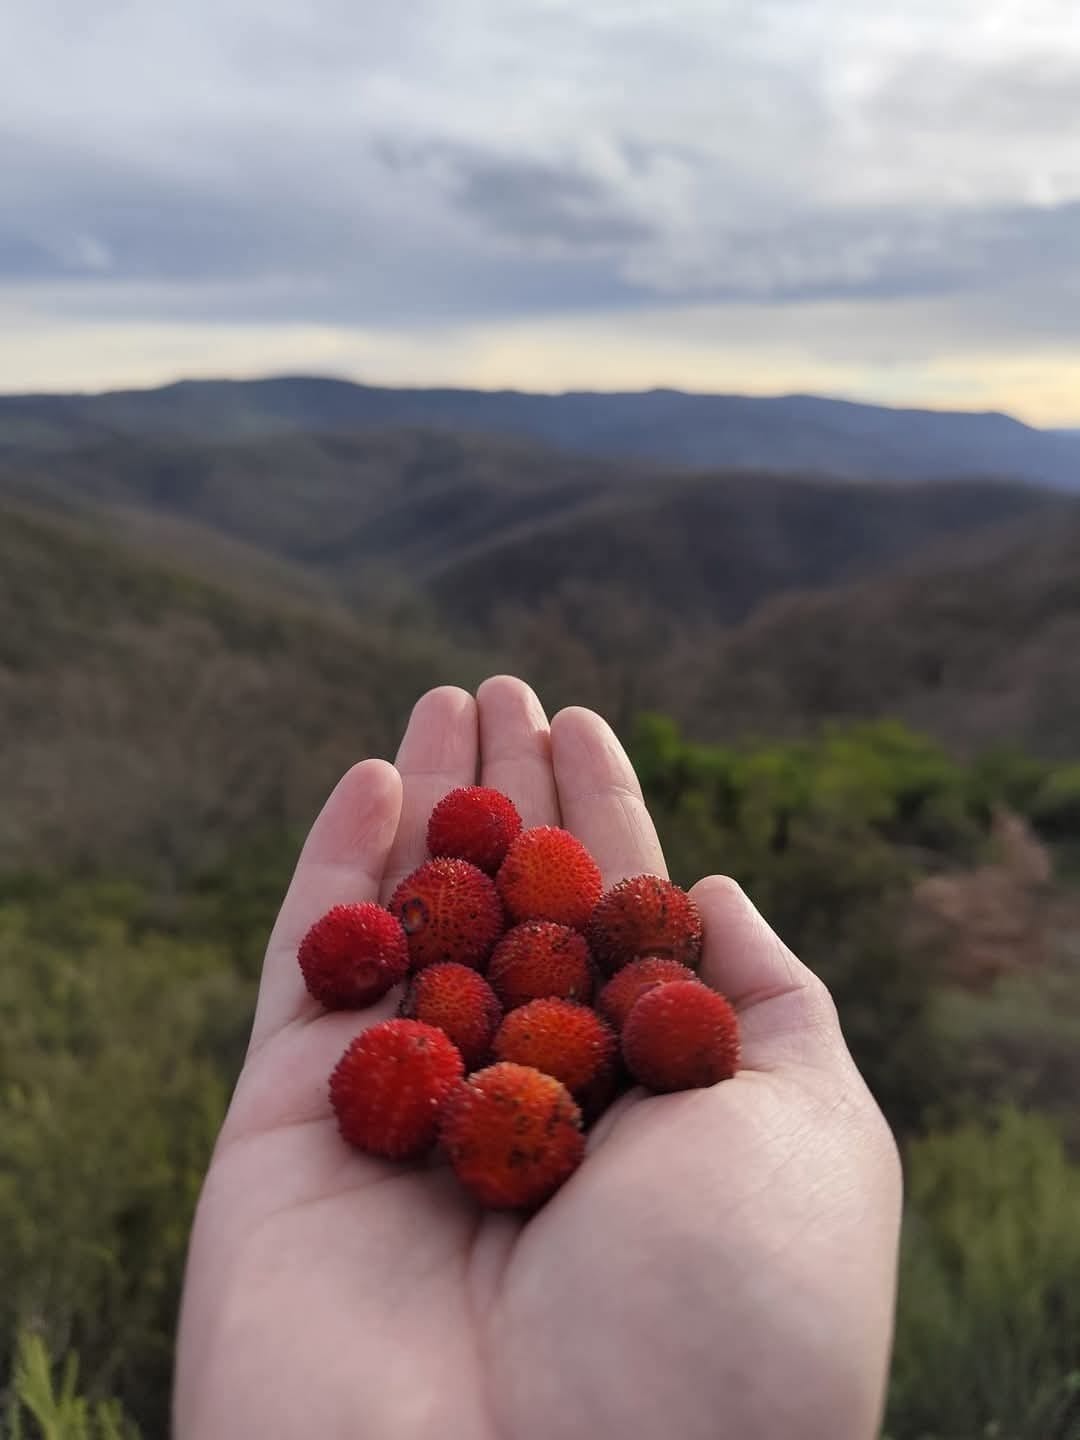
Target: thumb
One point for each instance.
(786, 1014)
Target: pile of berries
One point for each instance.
(532, 999)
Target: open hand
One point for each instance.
(721, 1267)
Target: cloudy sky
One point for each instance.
(752, 195)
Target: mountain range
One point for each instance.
(480, 524)
(790, 434)
(212, 597)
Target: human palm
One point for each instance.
(722, 1264)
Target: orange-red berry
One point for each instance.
(559, 1037)
(461, 1003)
(476, 824)
(619, 995)
(681, 1036)
(388, 1087)
(540, 959)
(512, 1135)
(645, 915)
(450, 911)
(549, 875)
(353, 955)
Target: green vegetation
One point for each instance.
(43, 1405)
(832, 838)
(124, 1007)
(988, 1341)
(121, 1039)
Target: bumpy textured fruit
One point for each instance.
(450, 911)
(389, 1086)
(645, 916)
(539, 960)
(681, 1036)
(476, 824)
(619, 995)
(565, 1040)
(461, 1003)
(549, 875)
(512, 1135)
(353, 955)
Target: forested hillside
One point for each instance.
(977, 644)
(147, 712)
(483, 523)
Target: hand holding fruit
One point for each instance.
(721, 1262)
(511, 1135)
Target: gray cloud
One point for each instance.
(879, 254)
(250, 247)
(530, 200)
(536, 203)
(76, 211)
(501, 237)
(1021, 95)
(367, 163)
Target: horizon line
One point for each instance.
(327, 377)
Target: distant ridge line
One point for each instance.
(787, 434)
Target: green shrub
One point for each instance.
(119, 1047)
(812, 831)
(1055, 807)
(1017, 1042)
(42, 1410)
(988, 1334)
